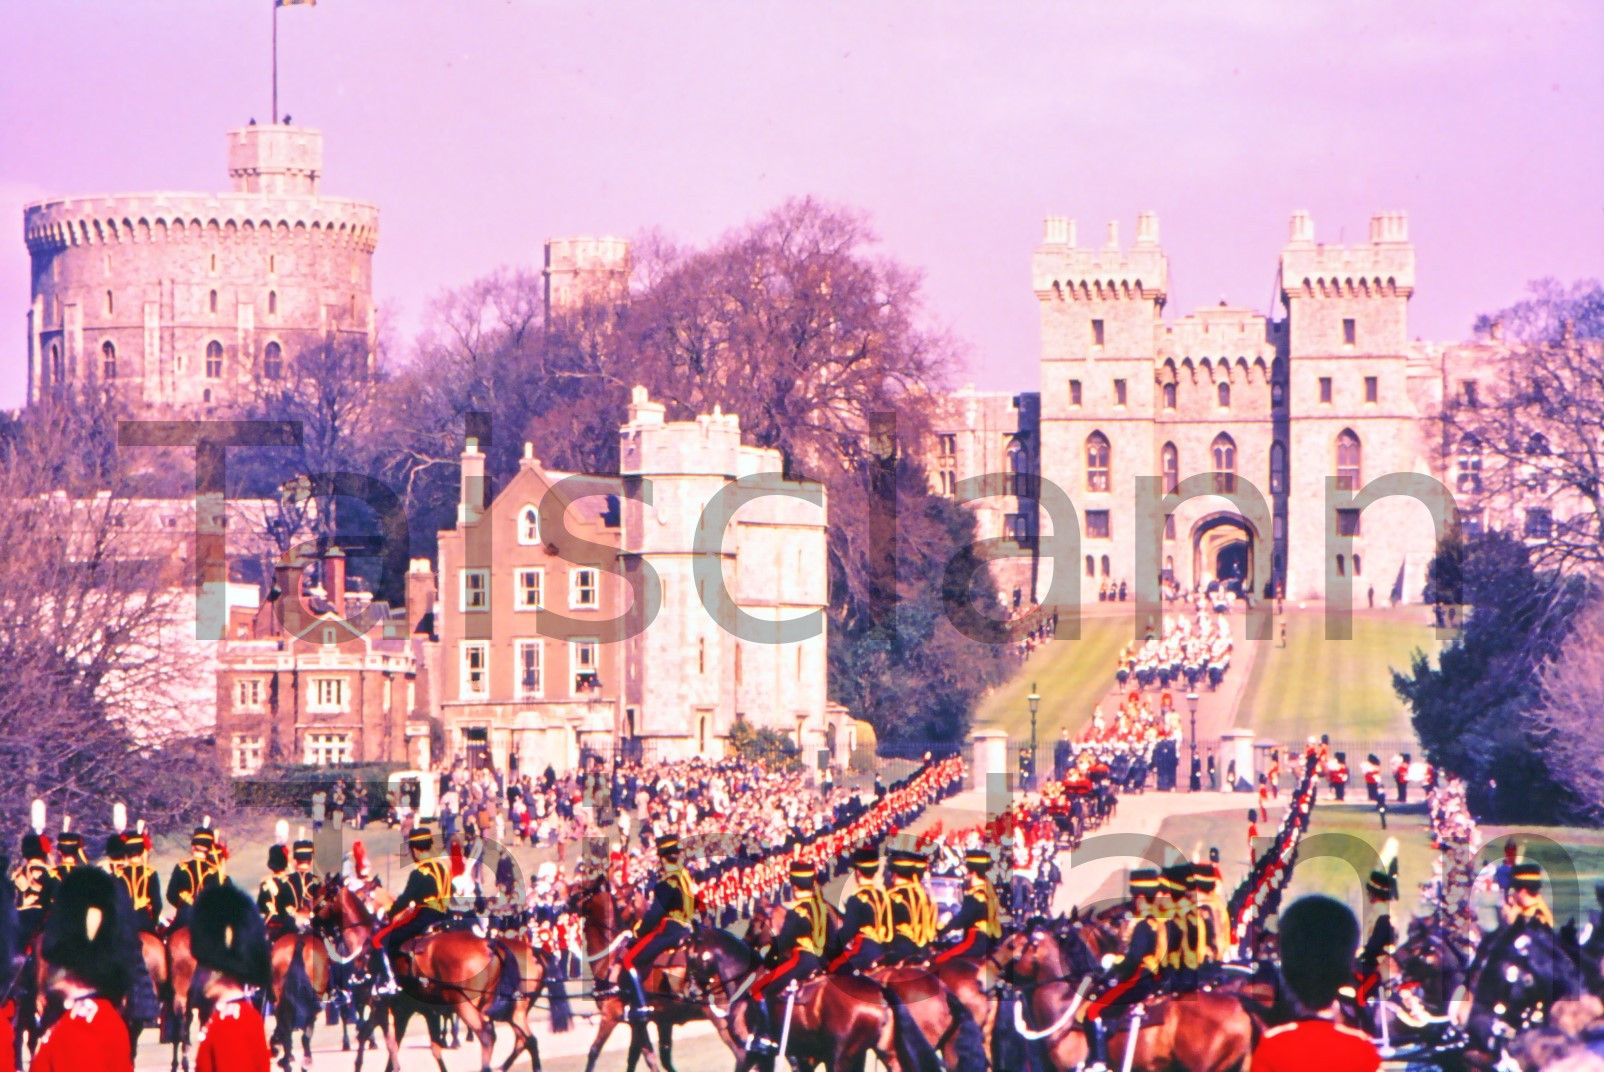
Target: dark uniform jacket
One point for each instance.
(190, 879)
(145, 891)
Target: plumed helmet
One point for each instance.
(84, 933)
(226, 934)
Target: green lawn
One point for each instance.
(1071, 676)
(1340, 687)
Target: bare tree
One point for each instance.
(1565, 724)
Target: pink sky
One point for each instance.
(481, 128)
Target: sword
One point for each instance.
(785, 1030)
(1130, 1039)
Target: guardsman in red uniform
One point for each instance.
(1372, 776)
(977, 917)
(83, 943)
(793, 955)
(1318, 936)
(227, 936)
(1337, 775)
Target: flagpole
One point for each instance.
(273, 117)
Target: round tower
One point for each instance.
(186, 302)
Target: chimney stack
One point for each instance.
(1302, 232)
(334, 578)
(420, 593)
(472, 506)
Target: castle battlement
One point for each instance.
(1221, 331)
(111, 219)
(1385, 265)
(275, 159)
(1063, 270)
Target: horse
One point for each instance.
(1520, 971)
(1199, 1032)
(301, 982)
(944, 1021)
(182, 991)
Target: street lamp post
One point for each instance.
(1035, 702)
(1191, 704)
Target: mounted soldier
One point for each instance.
(977, 918)
(866, 926)
(665, 925)
(423, 903)
(913, 913)
(194, 876)
(793, 955)
(1140, 972)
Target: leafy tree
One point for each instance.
(1473, 711)
(765, 745)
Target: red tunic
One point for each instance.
(1310, 1044)
(89, 1037)
(233, 1040)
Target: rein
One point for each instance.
(1059, 1024)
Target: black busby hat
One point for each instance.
(277, 858)
(203, 838)
(1373, 758)
(115, 850)
(1144, 882)
(904, 862)
(421, 838)
(1382, 884)
(978, 860)
(303, 851)
(1318, 936)
(226, 934)
(1203, 877)
(668, 845)
(1342, 757)
(866, 858)
(1176, 878)
(803, 874)
(35, 847)
(70, 841)
(84, 932)
(1253, 815)
(1526, 876)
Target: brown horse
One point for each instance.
(838, 1020)
(181, 971)
(298, 994)
(1198, 1032)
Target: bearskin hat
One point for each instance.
(35, 847)
(84, 932)
(1318, 936)
(226, 934)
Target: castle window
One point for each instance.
(1119, 392)
(108, 361)
(211, 303)
(948, 444)
(1467, 476)
(214, 360)
(1106, 570)
(701, 655)
(1325, 389)
(58, 369)
(1278, 468)
(529, 683)
(1169, 526)
(738, 662)
(1097, 459)
(1348, 461)
(475, 680)
(1097, 525)
(1468, 387)
(1348, 522)
(214, 264)
(1172, 468)
(1539, 523)
(1358, 567)
(272, 263)
(1019, 473)
(109, 304)
(206, 395)
(1091, 566)
(1342, 566)
(1097, 333)
(106, 260)
(1350, 332)
(1278, 527)
(1372, 389)
(1224, 392)
(273, 361)
(1223, 450)
(272, 303)
(1169, 396)
(529, 526)
(949, 482)
(1074, 392)
(1017, 529)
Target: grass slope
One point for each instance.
(1071, 676)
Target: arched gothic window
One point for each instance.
(1098, 455)
(1278, 468)
(1467, 475)
(1348, 477)
(214, 360)
(1169, 396)
(273, 361)
(108, 361)
(1172, 468)
(1224, 452)
(1224, 392)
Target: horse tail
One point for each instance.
(299, 1002)
(914, 1052)
(969, 1043)
(562, 1013)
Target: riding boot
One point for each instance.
(387, 983)
(760, 1041)
(635, 997)
(1098, 1059)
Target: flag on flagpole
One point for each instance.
(294, 3)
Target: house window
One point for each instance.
(1169, 396)
(1350, 331)
(1097, 458)
(1347, 522)
(211, 303)
(328, 695)
(1348, 461)
(1169, 526)
(1372, 389)
(1325, 389)
(529, 525)
(1119, 392)
(475, 669)
(1097, 333)
(1172, 468)
(214, 360)
(1468, 388)
(1097, 524)
(529, 684)
(1074, 392)
(948, 444)
(247, 758)
(529, 589)
(108, 361)
(1224, 393)
(249, 695)
(582, 588)
(1224, 452)
(272, 361)
(1278, 468)
(328, 749)
(1467, 477)
(475, 589)
(584, 659)
(1539, 523)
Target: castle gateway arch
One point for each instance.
(1223, 547)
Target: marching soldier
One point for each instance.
(1137, 975)
(194, 876)
(794, 954)
(666, 924)
(913, 913)
(977, 916)
(865, 916)
(1337, 775)
(84, 943)
(1371, 768)
(144, 884)
(424, 901)
(227, 937)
